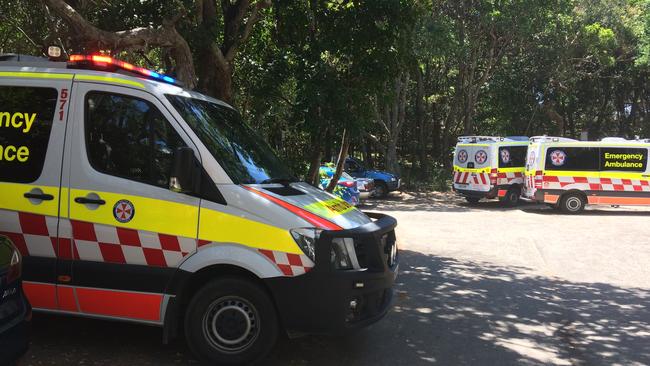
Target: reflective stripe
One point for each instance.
(66, 298)
(147, 216)
(222, 228)
(469, 170)
(40, 295)
(596, 174)
(121, 304)
(35, 75)
(107, 79)
(608, 200)
(551, 198)
(511, 170)
(304, 214)
(12, 198)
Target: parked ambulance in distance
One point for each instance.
(490, 167)
(131, 198)
(569, 174)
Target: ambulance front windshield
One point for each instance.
(245, 157)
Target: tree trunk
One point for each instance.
(343, 153)
(314, 161)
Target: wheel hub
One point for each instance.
(231, 324)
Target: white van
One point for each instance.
(131, 198)
(490, 167)
(569, 174)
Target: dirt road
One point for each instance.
(477, 285)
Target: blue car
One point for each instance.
(346, 188)
(385, 182)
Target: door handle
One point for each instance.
(39, 196)
(91, 201)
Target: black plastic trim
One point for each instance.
(318, 302)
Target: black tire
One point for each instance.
(472, 200)
(572, 203)
(231, 321)
(511, 199)
(381, 189)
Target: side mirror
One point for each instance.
(184, 177)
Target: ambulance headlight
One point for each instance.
(343, 255)
(306, 239)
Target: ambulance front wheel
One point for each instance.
(231, 321)
(572, 203)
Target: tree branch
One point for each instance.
(247, 28)
(137, 38)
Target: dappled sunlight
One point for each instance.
(449, 311)
(446, 311)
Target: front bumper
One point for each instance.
(319, 302)
(492, 193)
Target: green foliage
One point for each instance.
(312, 69)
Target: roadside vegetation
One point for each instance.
(393, 82)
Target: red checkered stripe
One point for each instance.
(596, 184)
(36, 235)
(504, 178)
(467, 178)
(290, 264)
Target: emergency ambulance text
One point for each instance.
(23, 121)
(623, 160)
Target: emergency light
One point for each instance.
(109, 63)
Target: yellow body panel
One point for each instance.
(150, 214)
(11, 198)
(220, 227)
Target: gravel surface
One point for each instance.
(477, 285)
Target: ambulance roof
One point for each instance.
(607, 142)
(490, 139)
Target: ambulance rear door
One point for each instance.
(130, 229)
(33, 117)
(473, 162)
(534, 169)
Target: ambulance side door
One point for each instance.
(33, 117)
(130, 230)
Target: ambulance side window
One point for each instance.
(26, 115)
(129, 138)
(572, 158)
(512, 156)
(623, 159)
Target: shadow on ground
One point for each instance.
(446, 312)
(437, 202)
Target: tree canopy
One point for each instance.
(395, 80)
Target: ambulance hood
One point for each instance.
(317, 202)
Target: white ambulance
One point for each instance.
(568, 174)
(490, 167)
(131, 198)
